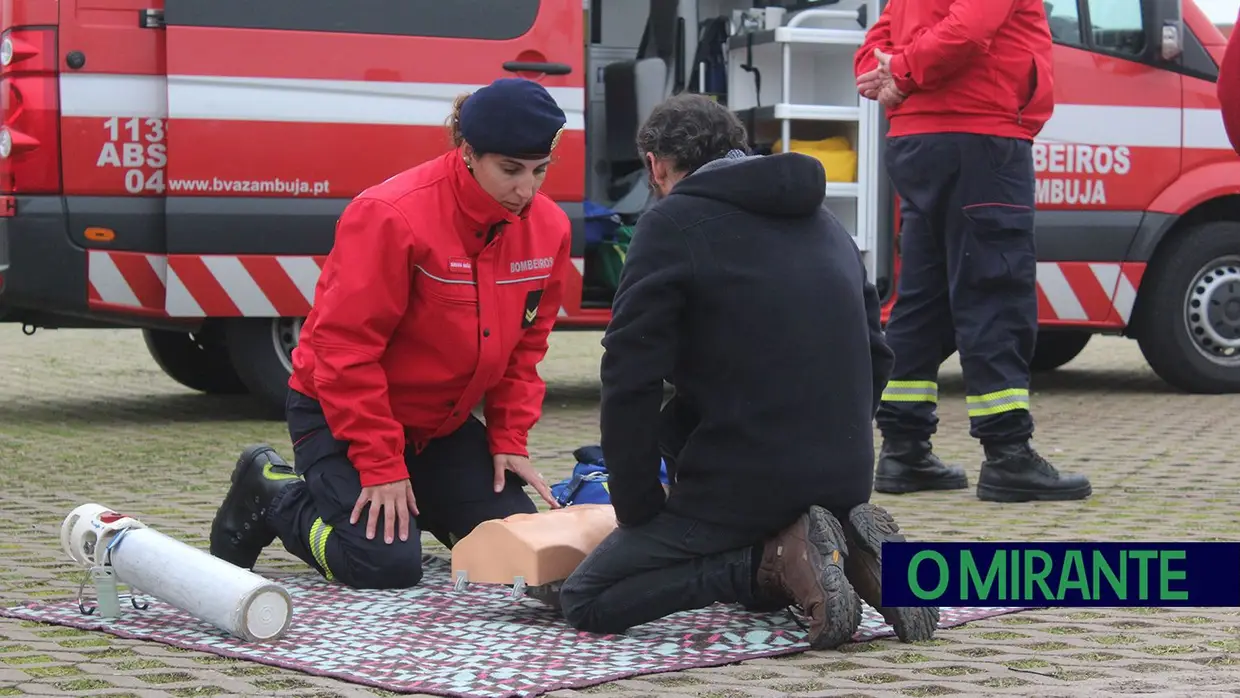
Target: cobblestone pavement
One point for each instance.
(86, 416)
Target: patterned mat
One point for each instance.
(473, 644)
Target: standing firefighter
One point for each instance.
(968, 84)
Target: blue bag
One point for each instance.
(588, 483)
(601, 223)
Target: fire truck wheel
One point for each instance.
(196, 360)
(261, 350)
(1188, 316)
(1055, 348)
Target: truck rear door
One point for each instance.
(281, 111)
(113, 99)
(112, 132)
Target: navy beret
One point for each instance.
(513, 117)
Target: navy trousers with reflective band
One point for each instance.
(452, 481)
(967, 282)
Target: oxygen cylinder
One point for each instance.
(235, 600)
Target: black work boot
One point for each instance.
(906, 466)
(240, 530)
(1017, 473)
(866, 528)
(805, 564)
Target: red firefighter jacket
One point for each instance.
(1229, 87)
(973, 66)
(417, 318)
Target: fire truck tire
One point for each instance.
(1055, 348)
(261, 350)
(197, 360)
(1188, 315)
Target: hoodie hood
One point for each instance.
(787, 185)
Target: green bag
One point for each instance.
(610, 256)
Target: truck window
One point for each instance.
(1065, 22)
(1117, 26)
(494, 20)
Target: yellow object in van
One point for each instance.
(836, 155)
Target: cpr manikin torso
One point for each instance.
(531, 550)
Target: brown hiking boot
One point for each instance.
(805, 563)
(867, 528)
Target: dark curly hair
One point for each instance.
(691, 130)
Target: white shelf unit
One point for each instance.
(808, 91)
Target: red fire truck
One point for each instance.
(178, 166)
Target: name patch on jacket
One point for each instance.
(460, 265)
(532, 299)
(539, 264)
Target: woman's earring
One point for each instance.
(468, 166)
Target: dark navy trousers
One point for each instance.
(453, 482)
(967, 283)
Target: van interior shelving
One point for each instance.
(784, 68)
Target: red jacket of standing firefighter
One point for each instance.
(436, 297)
(980, 66)
(1229, 87)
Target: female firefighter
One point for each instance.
(439, 293)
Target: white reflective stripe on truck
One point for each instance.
(277, 99)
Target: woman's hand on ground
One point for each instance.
(397, 502)
(520, 465)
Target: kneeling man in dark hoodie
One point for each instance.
(747, 295)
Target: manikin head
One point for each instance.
(684, 133)
(505, 133)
